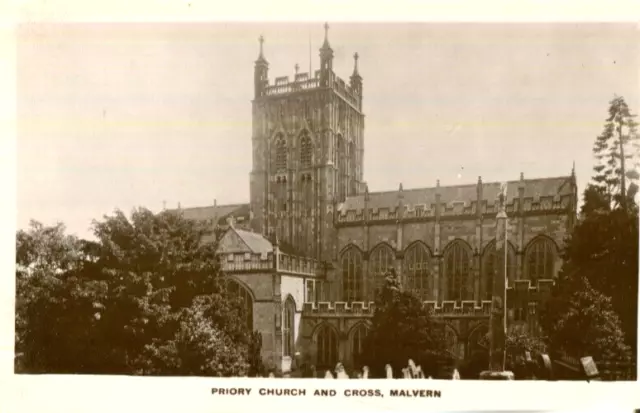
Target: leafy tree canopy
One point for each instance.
(402, 329)
(147, 298)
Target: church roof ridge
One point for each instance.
(470, 185)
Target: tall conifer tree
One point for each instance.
(616, 150)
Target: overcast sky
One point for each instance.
(118, 116)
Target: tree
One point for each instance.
(518, 342)
(199, 347)
(614, 148)
(584, 323)
(402, 329)
(159, 271)
(147, 298)
(57, 303)
(603, 248)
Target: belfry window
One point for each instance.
(342, 169)
(457, 270)
(352, 279)
(306, 150)
(539, 260)
(280, 164)
(416, 261)
(352, 168)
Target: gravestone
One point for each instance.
(545, 368)
(590, 369)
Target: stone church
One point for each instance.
(310, 249)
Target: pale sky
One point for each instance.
(118, 116)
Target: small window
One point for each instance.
(311, 291)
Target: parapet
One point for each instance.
(533, 196)
(526, 290)
(459, 308)
(303, 82)
(523, 290)
(338, 308)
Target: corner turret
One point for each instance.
(326, 60)
(261, 72)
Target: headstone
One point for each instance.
(589, 368)
(456, 375)
(545, 367)
(388, 371)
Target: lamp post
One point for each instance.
(498, 320)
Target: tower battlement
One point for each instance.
(324, 78)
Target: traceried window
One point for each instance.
(239, 292)
(280, 161)
(416, 261)
(490, 267)
(327, 347)
(306, 150)
(457, 271)
(539, 259)
(342, 168)
(288, 326)
(352, 168)
(357, 342)
(352, 278)
(381, 259)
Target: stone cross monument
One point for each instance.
(498, 323)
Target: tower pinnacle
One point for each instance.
(261, 58)
(355, 63)
(326, 45)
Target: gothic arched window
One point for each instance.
(357, 341)
(490, 267)
(539, 259)
(352, 279)
(380, 260)
(342, 168)
(457, 272)
(280, 161)
(288, 327)
(239, 292)
(416, 270)
(306, 150)
(478, 339)
(451, 341)
(327, 347)
(352, 168)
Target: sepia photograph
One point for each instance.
(339, 200)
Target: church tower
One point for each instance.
(308, 147)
